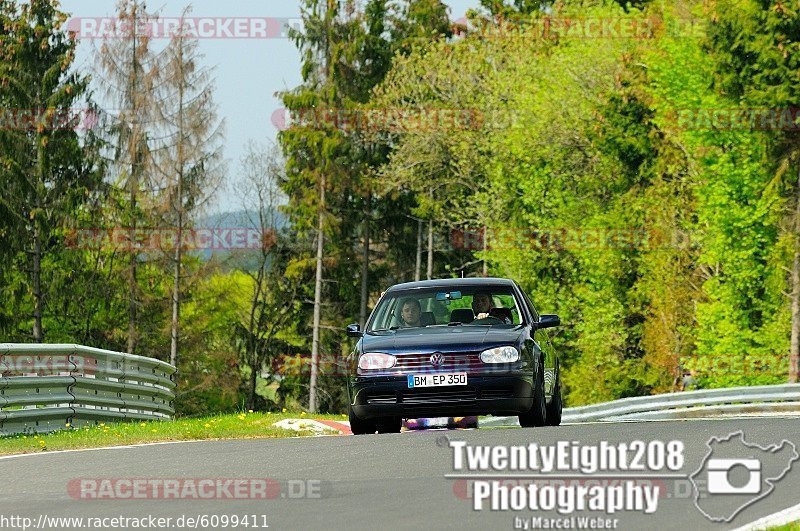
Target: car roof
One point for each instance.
(449, 283)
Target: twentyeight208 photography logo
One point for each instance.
(735, 474)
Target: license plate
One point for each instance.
(436, 380)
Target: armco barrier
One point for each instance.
(688, 404)
(45, 387)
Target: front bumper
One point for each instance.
(389, 396)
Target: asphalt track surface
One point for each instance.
(392, 481)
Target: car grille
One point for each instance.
(434, 396)
(453, 361)
(440, 395)
(497, 393)
(388, 398)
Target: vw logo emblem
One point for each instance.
(437, 359)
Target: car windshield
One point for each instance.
(452, 306)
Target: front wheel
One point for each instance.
(359, 426)
(537, 415)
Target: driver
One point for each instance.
(410, 314)
(481, 304)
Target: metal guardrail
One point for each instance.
(45, 387)
(687, 404)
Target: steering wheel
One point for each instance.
(493, 318)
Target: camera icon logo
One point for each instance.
(719, 471)
(735, 474)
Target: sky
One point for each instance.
(248, 71)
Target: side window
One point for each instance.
(510, 302)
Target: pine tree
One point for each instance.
(190, 154)
(46, 165)
(130, 72)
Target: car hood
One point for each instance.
(440, 338)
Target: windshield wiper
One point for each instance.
(455, 323)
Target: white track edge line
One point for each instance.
(780, 518)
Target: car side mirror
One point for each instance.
(354, 330)
(548, 321)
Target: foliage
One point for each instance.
(594, 169)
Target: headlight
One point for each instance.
(500, 355)
(374, 360)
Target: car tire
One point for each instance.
(389, 425)
(537, 415)
(556, 405)
(359, 426)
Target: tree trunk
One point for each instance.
(485, 248)
(430, 249)
(134, 190)
(365, 263)
(312, 396)
(176, 294)
(38, 336)
(178, 199)
(39, 187)
(251, 391)
(794, 349)
(254, 328)
(132, 298)
(418, 270)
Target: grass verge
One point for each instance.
(791, 526)
(234, 426)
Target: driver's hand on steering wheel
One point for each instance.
(482, 316)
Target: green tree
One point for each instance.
(47, 167)
(756, 48)
(330, 167)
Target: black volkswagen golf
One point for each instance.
(454, 347)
